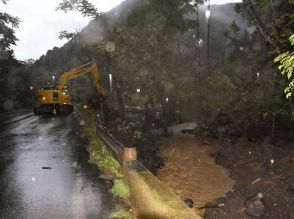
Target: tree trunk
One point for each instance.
(119, 92)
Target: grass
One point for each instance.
(120, 189)
(121, 214)
(103, 158)
(100, 155)
(98, 150)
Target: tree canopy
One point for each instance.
(8, 24)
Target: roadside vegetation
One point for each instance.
(100, 155)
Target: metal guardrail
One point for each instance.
(115, 146)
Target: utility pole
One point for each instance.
(208, 15)
(198, 34)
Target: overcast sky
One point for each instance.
(41, 24)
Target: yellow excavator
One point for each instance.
(56, 100)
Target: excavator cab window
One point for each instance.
(55, 96)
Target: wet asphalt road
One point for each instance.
(44, 172)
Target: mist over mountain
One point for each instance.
(97, 30)
(83, 48)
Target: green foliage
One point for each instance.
(286, 66)
(99, 153)
(65, 34)
(274, 29)
(8, 24)
(121, 214)
(120, 189)
(152, 48)
(137, 135)
(83, 6)
(129, 132)
(124, 128)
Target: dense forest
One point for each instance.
(181, 60)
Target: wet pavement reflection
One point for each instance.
(44, 172)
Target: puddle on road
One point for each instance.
(191, 172)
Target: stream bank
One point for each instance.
(190, 170)
(220, 172)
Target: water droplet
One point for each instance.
(7, 105)
(110, 46)
(147, 57)
(33, 179)
(82, 122)
(31, 88)
(74, 164)
(199, 43)
(207, 14)
(260, 195)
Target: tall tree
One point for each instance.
(8, 24)
(274, 21)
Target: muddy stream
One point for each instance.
(190, 170)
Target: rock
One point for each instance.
(256, 204)
(189, 202)
(254, 212)
(255, 201)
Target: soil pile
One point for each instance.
(257, 168)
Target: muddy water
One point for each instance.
(191, 172)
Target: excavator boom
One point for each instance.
(90, 67)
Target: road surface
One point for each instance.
(44, 171)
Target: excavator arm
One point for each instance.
(90, 67)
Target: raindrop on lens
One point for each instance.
(110, 46)
(7, 105)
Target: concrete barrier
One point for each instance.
(150, 197)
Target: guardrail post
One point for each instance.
(128, 154)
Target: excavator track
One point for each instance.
(60, 109)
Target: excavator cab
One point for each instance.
(51, 100)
